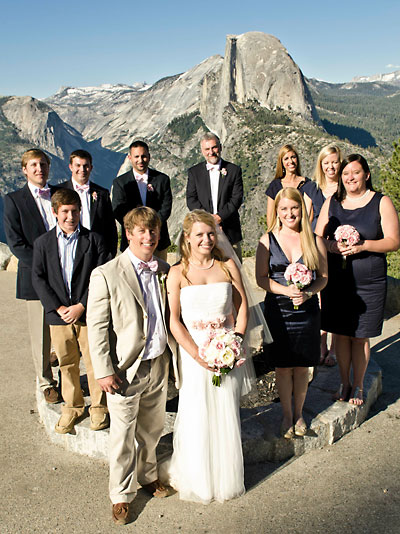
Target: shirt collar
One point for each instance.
(135, 260)
(34, 188)
(75, 183)
(74, 234)
(144, 176)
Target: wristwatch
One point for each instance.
(309, 294)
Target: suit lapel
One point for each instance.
(221, 182)
(205, 180)
(81, 248)
(55, 260)
(128, 274)
(33, 210)
(94, 202)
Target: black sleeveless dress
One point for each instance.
(353, 302)
(295, 333)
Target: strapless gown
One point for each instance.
(207, 462)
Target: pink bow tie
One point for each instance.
(141, 178)
(210, 166)
(82, 188)
(44, 193)
(149, 266)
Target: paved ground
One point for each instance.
(351, 486)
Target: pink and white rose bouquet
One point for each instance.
(221, 350)
(299, 275)
(347, 235)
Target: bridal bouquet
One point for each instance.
(347, 235)
(221, 350)
(298, 274)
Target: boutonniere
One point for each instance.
(223, 171)
(94, 196)
(150, 188)
(162, 277)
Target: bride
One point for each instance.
(205, 287)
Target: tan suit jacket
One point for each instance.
(117, 318)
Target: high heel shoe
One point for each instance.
(286, 432)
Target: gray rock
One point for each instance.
(5, 256)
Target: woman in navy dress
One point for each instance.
(354, 299)
(288, 174)
(326, 177)
(295, 332)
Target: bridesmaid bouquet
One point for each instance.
(347, 235)
(221, 350)
(298, 274)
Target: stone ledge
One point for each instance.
(328, 421)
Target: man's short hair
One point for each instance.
(33, 153)
(84, 154)
(142, 216)
(65, 197)
(209, 136)
(137, 143)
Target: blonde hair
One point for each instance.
(309, 249)
(33, 153)
(319, 176)
(280, 169)
(184, 246)
(142, 216)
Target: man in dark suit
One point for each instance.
(27, 215)
(96, 214)
(216, 186)
(142, 186)
(63, 260)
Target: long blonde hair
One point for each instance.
(319, 176)
(184, 245)
(307, 240)
(280, 169)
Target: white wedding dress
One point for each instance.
(207, 462)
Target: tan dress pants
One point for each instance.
(39, 333)
(137, 421)
(69, 341)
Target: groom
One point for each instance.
(130, 349)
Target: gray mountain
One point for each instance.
(34, 124)
(392, 78)
(256, 67)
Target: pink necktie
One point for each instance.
(149, 266)
(82, 188)
(44, 193)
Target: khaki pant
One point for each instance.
(137, 421)
(39, 333)
(68, 342)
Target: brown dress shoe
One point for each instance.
(51, 395)
(156, 489)
(120, 513)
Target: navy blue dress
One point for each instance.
(307, 186)
(295, 333)
(353, 302)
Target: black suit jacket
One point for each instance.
(101, 214)
(47, 276)
(23, 224)
(230, 195)
(126, 196)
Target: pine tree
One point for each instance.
(390, 180)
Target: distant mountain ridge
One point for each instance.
(390, 77)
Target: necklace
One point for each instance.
(202, 268)
(358, 198)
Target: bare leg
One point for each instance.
(300, 386)
(330, 359)
(324, 347)
(343, 354)
(360, 358)
(284, 382)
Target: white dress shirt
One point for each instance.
(66, 252)
(156, 334)
(85, 201)
(44, 207)
(214, 171)
(142, 181)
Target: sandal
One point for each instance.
(357, 397)
(287, 433)
(300, 429)
(343, 393)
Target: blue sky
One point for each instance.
(48, 44)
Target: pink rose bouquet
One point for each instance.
(221, 351)
(347, 235)
(298, 274)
